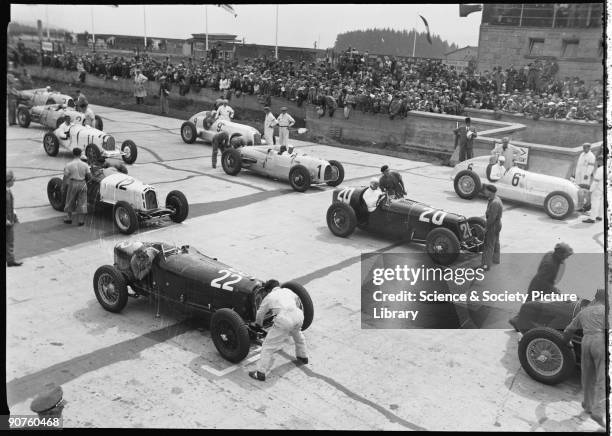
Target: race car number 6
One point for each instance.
(219, 127)
(216, 283)
(437, 218)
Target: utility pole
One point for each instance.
(144, 14)
(276, 39)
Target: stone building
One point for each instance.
(459, 58)
(571, 34)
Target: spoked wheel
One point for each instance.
(188, 132)
(299, 177)
(125, 217)
(230, 335)
(51, 144)
(442, 246)
(341, 219)
(467, 184)
(110, 288)
(559, 205)
(545, 357)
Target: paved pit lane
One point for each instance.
(153, 366)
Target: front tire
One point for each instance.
(299, 178)
(340, 169)
(230, 335)
(231, 161)
(130, 152)
(55, 194)
(304, 296)
(558, 205)
(545, 357)
(177, 201)
(23, 117)
(51, 144)
(341, 219)
(125, 218)
(442, 246)
(110, 288)
(188, 132)
(467, 184)
(478, 227)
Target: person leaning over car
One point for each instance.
(491, 249)
(391, 183)
(288, 318)
(88, 115)
(591, 320)
(372, 194)
(219, 141)
(76, 173)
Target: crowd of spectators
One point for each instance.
(353, 81)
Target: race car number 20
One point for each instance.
(436, 218)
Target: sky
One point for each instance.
(299, 25)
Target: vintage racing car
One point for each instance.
(132, 200)
(542, 351)
(558, 196)
(197, 282)
(301, 170)
(94, 142)
(52, 116)
(42, 97)
(194, 128)
(444, 234)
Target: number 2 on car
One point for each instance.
(345, 195)
(217, 283)
(437, 218)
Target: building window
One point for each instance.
(536, 46)
(570, 48)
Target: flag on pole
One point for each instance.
(426, 27)
(382, 39)
(467, 9)
(229, 9)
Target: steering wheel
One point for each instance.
(382, 199)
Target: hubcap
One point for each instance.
(339, 220)
(128, 151)
(558, 205)
(122, 218)
(466, 184)
(48, 143)
(440, 245)
(22, 116)
(227, 336)
(545, 357)
(187, 133)
(107, 290)
(298, 179)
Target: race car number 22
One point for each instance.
(222, 283)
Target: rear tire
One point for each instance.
(340, 168)
(92, 152)
(177, 201)
(478, 227)
(231, 161)
(131, 152)
(341, 219)
(125, 218)
(304, 296)
(558, 205)
(55, 194)
(230, 335)
(467, 184)
(51, 144)
(189, 132)
(23, 117)
(110, 288)
(442, 246)
(545, 357)
(299, 178)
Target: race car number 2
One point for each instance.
(436, 218)
(227, 279)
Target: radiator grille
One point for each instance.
(108, 143)
(150, 200)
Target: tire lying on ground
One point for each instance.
(230, 335)
(55, 194)
(304, 296)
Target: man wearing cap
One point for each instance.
(88, 115)
(495, 207)
(591, 320)
(508, 151)
(391, 183)
(225, 112)
(164, 92)
(372, 194)
(285, 305)
(11, 220)
(550, 270)
(597, 194)
(49, 403)
(80, 98)
(64, 128)
(284, 121)
(269, 123)
(498, 170)
(76, 172)
(464, 138)
(219, 141)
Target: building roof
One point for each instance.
(216, 36)
(106, 36)
(462, 48)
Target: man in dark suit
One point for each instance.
(11, 220)
(464, 137)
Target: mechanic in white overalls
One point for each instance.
(597, 193)
(285, 305)
(284, 122)
(225, 112)
(269, 123)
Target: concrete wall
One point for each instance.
(509, 45)
(546, 131)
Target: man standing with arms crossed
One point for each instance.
(491, 252)
(284, 122)
(583, 175)
(597, 194)
(76, 173)
(269, 123)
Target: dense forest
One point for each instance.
(393, 42)
(27, 29)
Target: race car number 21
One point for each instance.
(227, 279)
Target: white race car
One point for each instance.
(300, 170)
(558, 196)
(94, 142)
(194, 128)
(42, 97)
(52, 116)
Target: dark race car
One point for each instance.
(444, 234)
(199, 283)
(541, 351)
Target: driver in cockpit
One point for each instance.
(498, 170)
(372, 195)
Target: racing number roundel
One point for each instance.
(219, 126)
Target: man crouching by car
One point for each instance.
(288, 319)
